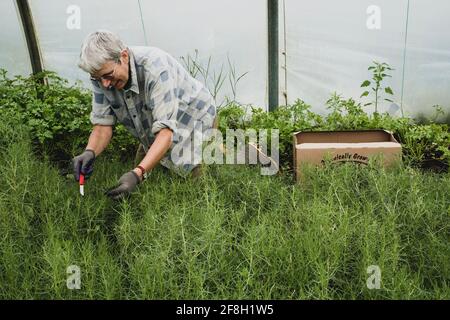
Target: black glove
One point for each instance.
(84, 163)
(127, 183)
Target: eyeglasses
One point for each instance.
(106, 76)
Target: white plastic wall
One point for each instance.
(178, 27)
(427, 69)
(330, 44)
(14, 56)
(63, 24)
(219, 30)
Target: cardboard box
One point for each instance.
(344, 146)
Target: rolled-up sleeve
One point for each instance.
(165, 103)
(102, 112)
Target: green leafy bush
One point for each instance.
(345, 114)
(420, 142)
(56, 113)
(425, 142)
(287, 119)
(51, 111)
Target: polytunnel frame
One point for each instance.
(30, 35)
(273, 64)
(34, 52)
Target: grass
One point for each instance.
(233, 234)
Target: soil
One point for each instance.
(434, 165)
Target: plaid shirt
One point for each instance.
(162, 95)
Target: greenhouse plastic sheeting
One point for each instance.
(326, 46)
(330, 44)
(180, 28)
(427, 68)
(62, 25)
(14, 56)
(225, 31)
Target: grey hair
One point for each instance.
(98, 48)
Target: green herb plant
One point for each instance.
(380, 71)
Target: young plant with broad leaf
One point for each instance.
(379, 73)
